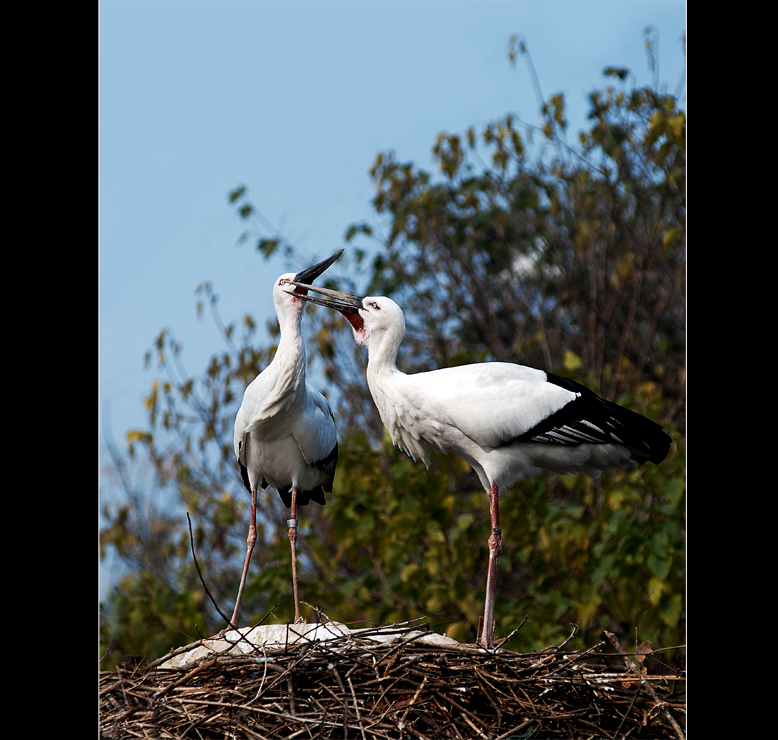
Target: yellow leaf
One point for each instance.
(655, 589)
(571, 361)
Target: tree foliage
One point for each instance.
(519, 247)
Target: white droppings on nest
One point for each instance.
(273, 636)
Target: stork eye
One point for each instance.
(375, 306)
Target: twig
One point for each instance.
(264, 675)
(500, 643)
(200, 575)
(241, 638)
(645, 682)
(356, 707)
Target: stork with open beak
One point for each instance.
(284, 434)
(504, 419)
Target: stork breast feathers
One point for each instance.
(269, 398)
(404, 418)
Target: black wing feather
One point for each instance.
(327, 466)
(591, 419)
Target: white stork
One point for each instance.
(503, 419)
(284, 431)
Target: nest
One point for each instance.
(396, 682)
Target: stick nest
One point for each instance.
(405, 687)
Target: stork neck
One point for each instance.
(289, 359)
(382, 349)
(382, 376)
(382, 363)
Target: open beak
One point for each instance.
(346, 303)
(309, 274)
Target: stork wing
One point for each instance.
(493, 403)
(315, 431)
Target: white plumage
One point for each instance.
(284, 434)
(505, 420)
(285, 430)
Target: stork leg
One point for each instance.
(250, 540)
(292, 522)
(486, 637)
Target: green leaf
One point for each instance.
(355, 229)
(621, 72)
(235, 194)
(671, 610)
(660, 566)
(267, 246)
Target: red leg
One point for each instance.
(250, 540)
(293, 545)
(486, 637)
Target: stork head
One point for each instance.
(286, 284)
(374, 319)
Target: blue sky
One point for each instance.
(294, 100)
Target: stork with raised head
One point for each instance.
(284, 433)
(504, 419)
